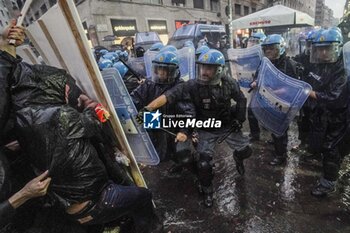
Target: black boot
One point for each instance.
(279, 160)
(324, 188)
(208, 196)
(322, 191)
(239, 156)
(239, 165)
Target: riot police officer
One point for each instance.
(165, 76)
(211, 93)
(274, 49)
(329, 103)
(304, 117)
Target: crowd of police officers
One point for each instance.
(323, 121)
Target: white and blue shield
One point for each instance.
(243, 66)
(277, 98)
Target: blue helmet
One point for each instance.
(332, 35)
(122, 69)
(202, 49)
(271, 44)
(124, 55)
(156, 46)
(103, 51)
(171, 48)
(326, 47)
(259, 35)
(189, 44)
(210, 67)
(256, 38)
(311, 35)
(112, 56)
(165, 68)
(104, 64)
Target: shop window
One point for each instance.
(198, 4)
(246, 10)
(215, 5)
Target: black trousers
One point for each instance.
(117, 201)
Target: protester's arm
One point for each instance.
(12, 32)
(34, 188)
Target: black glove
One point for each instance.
(139, 116)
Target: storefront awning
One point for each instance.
(273, 17)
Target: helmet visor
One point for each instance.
(208, 74)
(324, 53)
(272, 52)
(164, 73)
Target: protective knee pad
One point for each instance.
(243, 153)
(205, 169)
(183, 153)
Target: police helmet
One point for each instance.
(139, 51)
(210, 67)
(274, 46)
(256, 38)
(165, 68)
(156, 46)
(326, 47)
(122, 69)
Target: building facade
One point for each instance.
(324, 15)
(7, 9)
(37, 9)
(106, 20)
(124, 18)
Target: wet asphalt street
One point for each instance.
(265, 199)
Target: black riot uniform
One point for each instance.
(329, 113)
(287, 66)
(143, 95)
(214, 101)
(304, 123)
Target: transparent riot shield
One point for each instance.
(187, 64)
(148, 58)
(346, 57)
(138, 65)
(137, 136)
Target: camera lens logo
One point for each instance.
(151, 120)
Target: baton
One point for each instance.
(131, 70)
